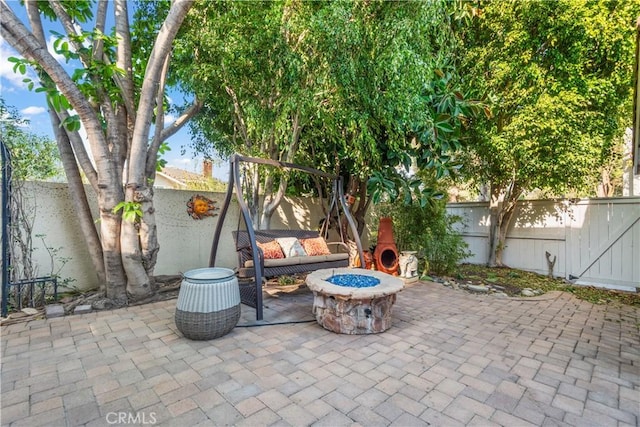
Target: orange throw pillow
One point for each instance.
(271, 250)
(315, 246)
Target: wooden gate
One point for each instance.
(603, 242)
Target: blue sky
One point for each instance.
(32, 106)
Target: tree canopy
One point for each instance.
(356, 88)
(556, 76)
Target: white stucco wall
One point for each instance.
(185, 243)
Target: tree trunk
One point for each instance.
(78, 195)
(495, 208)
(272, 201)
(605, 187)
(502, 206)
(115, 280)
(148, 232)
(254, 194)
(360, 202)
(357, 188)
(139, 239)
(139, 284)
(129, 247)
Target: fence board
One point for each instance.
(595, 240)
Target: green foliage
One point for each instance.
(32, 157)
(557, 75)
(369, 83)
(240, 59)
(391, 185)
(130, 211)
(428, 230)
(286, 280)
(389, 98)
(162, 150)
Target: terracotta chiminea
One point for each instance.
(386, 253)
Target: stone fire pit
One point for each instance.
(352, 310)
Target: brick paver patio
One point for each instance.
(451, 358)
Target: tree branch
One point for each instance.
(33, 14)
(71, 137)
(161, 49)
(237, 108)
(188, 114)
(79, 197)
(101, 18)
(29, 47)
(69, 27)
(272, 201)
(80, 152)
(67, 23)
(152, 153)
(124, 62)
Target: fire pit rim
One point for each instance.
(317, 282)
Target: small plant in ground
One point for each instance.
(491, 277)
(57, 263)
(286, 280)
(443, 247)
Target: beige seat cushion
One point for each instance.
(299, 260)
(337, 257)
(322, 258)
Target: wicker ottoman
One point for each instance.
(208, 304)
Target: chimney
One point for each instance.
(207, 168)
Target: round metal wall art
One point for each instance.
(199, 207)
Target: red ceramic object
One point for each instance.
(386, 253)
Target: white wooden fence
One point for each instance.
(594, 241)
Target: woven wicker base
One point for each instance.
(207, 326)
(248, 293)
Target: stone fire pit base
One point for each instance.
(347, 310)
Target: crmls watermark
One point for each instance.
(137, 418)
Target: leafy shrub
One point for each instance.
(444, 248)
(428, 230)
